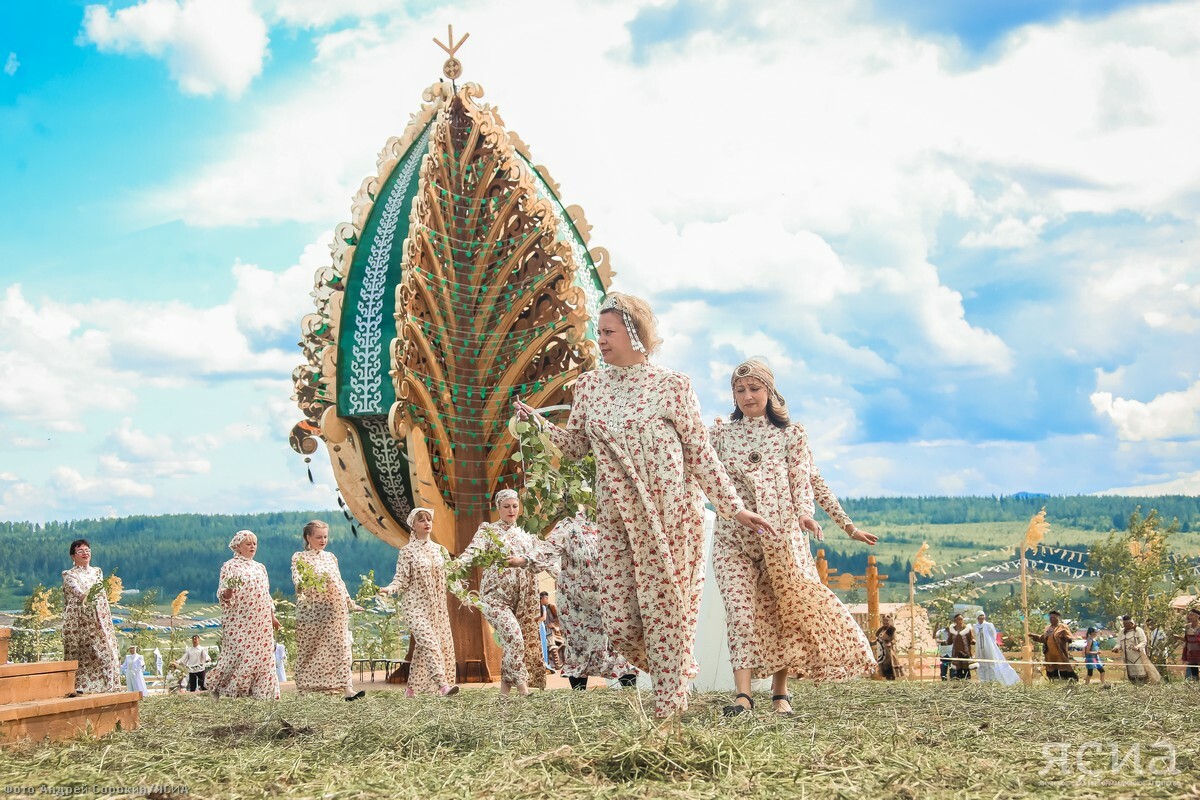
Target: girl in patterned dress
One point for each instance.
(781, 619)
(421, 583)
(509, 596)
(587, 650)
(642, 421)
(246, 664)
(88, 635)
(323, 641)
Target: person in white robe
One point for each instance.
(133, 667)
(993, 666)
(280, 660)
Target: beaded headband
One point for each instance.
(613, 303)
(754, 368)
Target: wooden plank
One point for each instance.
(5, 635)
(37, 668)
(64, 718)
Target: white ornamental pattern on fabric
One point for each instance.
(510, 600)
(88, 635)
(777, 612)
(587, 650)
(246, 664)
(323, 655)
(368, 350)
(420, 581)
(388, 465)
(652, 459)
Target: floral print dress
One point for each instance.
(323, 654)
(653, 457)
(778, 613)
(510, 600)
(420, 582)
(88, 635)
(587, 651)
(246, 664)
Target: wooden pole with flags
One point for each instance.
(1033, 535)
(922, 564)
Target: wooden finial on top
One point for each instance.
(453, 67)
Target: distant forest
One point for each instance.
(179, 551)
(1085, 512)
(185, 551)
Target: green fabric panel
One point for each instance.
(368, 323)
(386, 465)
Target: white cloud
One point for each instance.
(1010, 233)
(1188, 484)
(209, 46)
(1169, 415)
(75, 487)
(265, 301)
(135, 454)
(11, 65)
(57, 369)
(68, 360)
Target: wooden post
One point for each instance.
(912, 621)
(822, 567)
(1027, 648)
(873, 579)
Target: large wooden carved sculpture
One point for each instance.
(460, 283)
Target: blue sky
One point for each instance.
(964, 234)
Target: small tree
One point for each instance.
(1006, 615)
(1139, 575)
(380, 635)
(140, 613)
(32, 637)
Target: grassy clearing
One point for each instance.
(868, 739)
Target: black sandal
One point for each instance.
(788, 699)
(737, 708)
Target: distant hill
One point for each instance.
(185, 551)
(1086, 512)
(177, 552)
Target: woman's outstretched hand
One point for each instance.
(859, 535)
(754, 522)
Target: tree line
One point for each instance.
(176, 552)
(1085, 512)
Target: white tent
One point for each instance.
(712, 642)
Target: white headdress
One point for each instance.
(412, 515)
(505, 494)
(613, 303)
(240, 537)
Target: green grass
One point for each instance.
(862, 740)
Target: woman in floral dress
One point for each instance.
(246, 664)
(587, 650)
(780, 618)
(642, 422)
(509, 596)
(88, 635)
(323, 639)
(421, 583)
